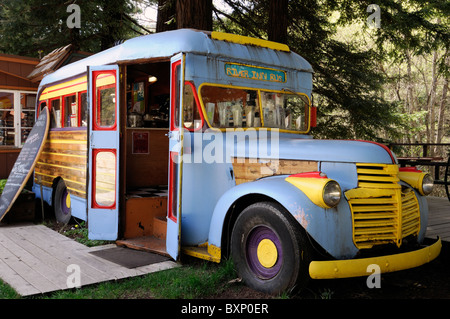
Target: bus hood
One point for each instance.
(285, 146)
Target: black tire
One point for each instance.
(61, 203)
(269, 250)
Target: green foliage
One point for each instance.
(349, 79)
(27, 27)
(2, 185)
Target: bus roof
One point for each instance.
(167, 44)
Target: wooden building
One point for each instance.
(17, 101)
(19, 80)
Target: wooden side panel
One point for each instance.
(246, 170)
(64, 155)
(151, 168)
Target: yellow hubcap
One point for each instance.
(267, 253)
(68, 200)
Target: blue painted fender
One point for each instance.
(330, 228)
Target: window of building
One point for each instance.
(17, 116)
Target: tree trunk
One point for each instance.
(431, 102)
(443, 104)
(195, 14)
(278, 21)
(165, 20)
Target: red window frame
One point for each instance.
(38, 111)
(51, 107)
(95, 152)
(174, 72)
(96, 98)
(173, 191)
(173, 126)
(197, 102)
(63, 107)
(79, 106)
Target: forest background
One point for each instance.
(381, 66)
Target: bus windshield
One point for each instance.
(228, 107)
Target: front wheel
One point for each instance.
(269, 250)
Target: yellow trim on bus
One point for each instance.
(74, 86)
(240, 39)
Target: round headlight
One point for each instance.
(427, 184)
(331, 194)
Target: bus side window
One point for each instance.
(192, 115)
(55, 113)
(83, 115)
(70, 111)
(41, 106)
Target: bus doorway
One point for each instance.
(145, 149)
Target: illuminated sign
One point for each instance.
(254, 73)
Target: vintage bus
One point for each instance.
(192, 142)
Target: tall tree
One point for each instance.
(348, 80)
(165, 20)
(277, 29)
(195, 14)
(27, 27)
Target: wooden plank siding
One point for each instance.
(65, 156)
(246, 169)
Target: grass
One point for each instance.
(195, 279)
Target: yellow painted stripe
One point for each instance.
(62, 166)
(66, 142)
(62, 154)
(239, 39)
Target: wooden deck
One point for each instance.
(34, 259)
(439, 218)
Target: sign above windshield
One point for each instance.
(254, 73)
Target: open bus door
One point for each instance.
(103, 152)
(175, 156)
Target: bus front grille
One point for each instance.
(381, 212)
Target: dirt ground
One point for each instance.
(430, 281)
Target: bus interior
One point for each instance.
(144, 152)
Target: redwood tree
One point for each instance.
(278, 21)
(195, 14)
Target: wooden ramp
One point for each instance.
(35, 259)
(439, 218)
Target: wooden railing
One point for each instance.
(441, 177)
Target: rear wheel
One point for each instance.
(269, 250)
(61, 203)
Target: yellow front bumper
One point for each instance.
(358, 267)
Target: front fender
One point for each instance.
(330, 228)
